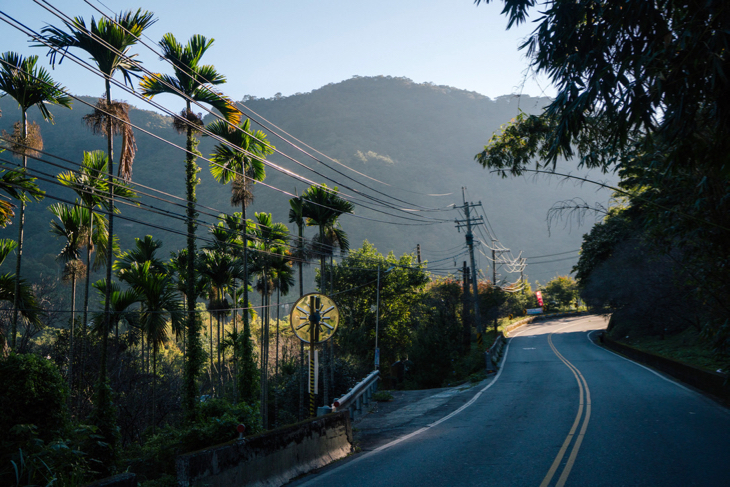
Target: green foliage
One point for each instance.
(355, 278)
(635, 60)
(561, 290)
(59, 462)
(382, 396)
(104, 418)
(642, 88)
(216, 423)
(248, 374)
(438, 337)
(598, 244)
(33, 392)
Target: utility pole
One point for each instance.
(377, 321)
(522, 274)
(494, 280)
(470, 244)
(418, 252)
(466, 334)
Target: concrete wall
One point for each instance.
(271, 458)
(711, 382)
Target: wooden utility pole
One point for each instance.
(466, 315)
(470, 243)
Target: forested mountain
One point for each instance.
(415, 139)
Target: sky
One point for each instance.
(289, 47)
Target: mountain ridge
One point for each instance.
(418, 138)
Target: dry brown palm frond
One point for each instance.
(6, 212)
(20, 145)
(73, 268)
(241, 191)
(118, 112)
(187, 118)
(129, 149)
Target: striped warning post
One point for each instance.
(311, 381)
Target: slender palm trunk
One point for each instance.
(154, 387)
(246, 324)
(263, 360)
(195, 351)
(71, 335)
(88, 268)
(301, 343)
(21, 224)
(210, 336)
(323, 290)
(110, 249)
(276, 396)
(332, 339)
(220, 369)
(235, 345)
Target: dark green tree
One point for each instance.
(401, 291)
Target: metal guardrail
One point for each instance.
(358, 396)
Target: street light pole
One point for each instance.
(377, 316)
(377, 319)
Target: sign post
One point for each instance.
(314, 319)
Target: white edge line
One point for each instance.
(317, 478)
(671, 381)
(658, 374)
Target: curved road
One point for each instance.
(561, 411)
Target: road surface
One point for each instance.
(561, 411)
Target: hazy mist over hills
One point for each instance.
(416, 139)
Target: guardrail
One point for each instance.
(358, 395)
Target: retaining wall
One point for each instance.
(711, 382)
(271, 458)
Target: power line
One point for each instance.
(68, 21)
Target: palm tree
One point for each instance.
(108, 42)
(27, 302)
(90, 187)
(218, 271)
(29, 86)
(283, 280)
(270, 245)
(194, 83)
(70, 225)
(160, 308)
(145, 250)
(296, 216)
(322, 208)
(238, 158)
(18, 185)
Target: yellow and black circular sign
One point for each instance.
(314, 318)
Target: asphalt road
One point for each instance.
(561, 411)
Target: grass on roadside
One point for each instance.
(687, 347)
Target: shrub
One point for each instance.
(33, 392)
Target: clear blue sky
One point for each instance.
(289, 46)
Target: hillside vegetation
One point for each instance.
(419, 139)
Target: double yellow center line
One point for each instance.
(584, 404)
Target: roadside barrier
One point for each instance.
(357, 396)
